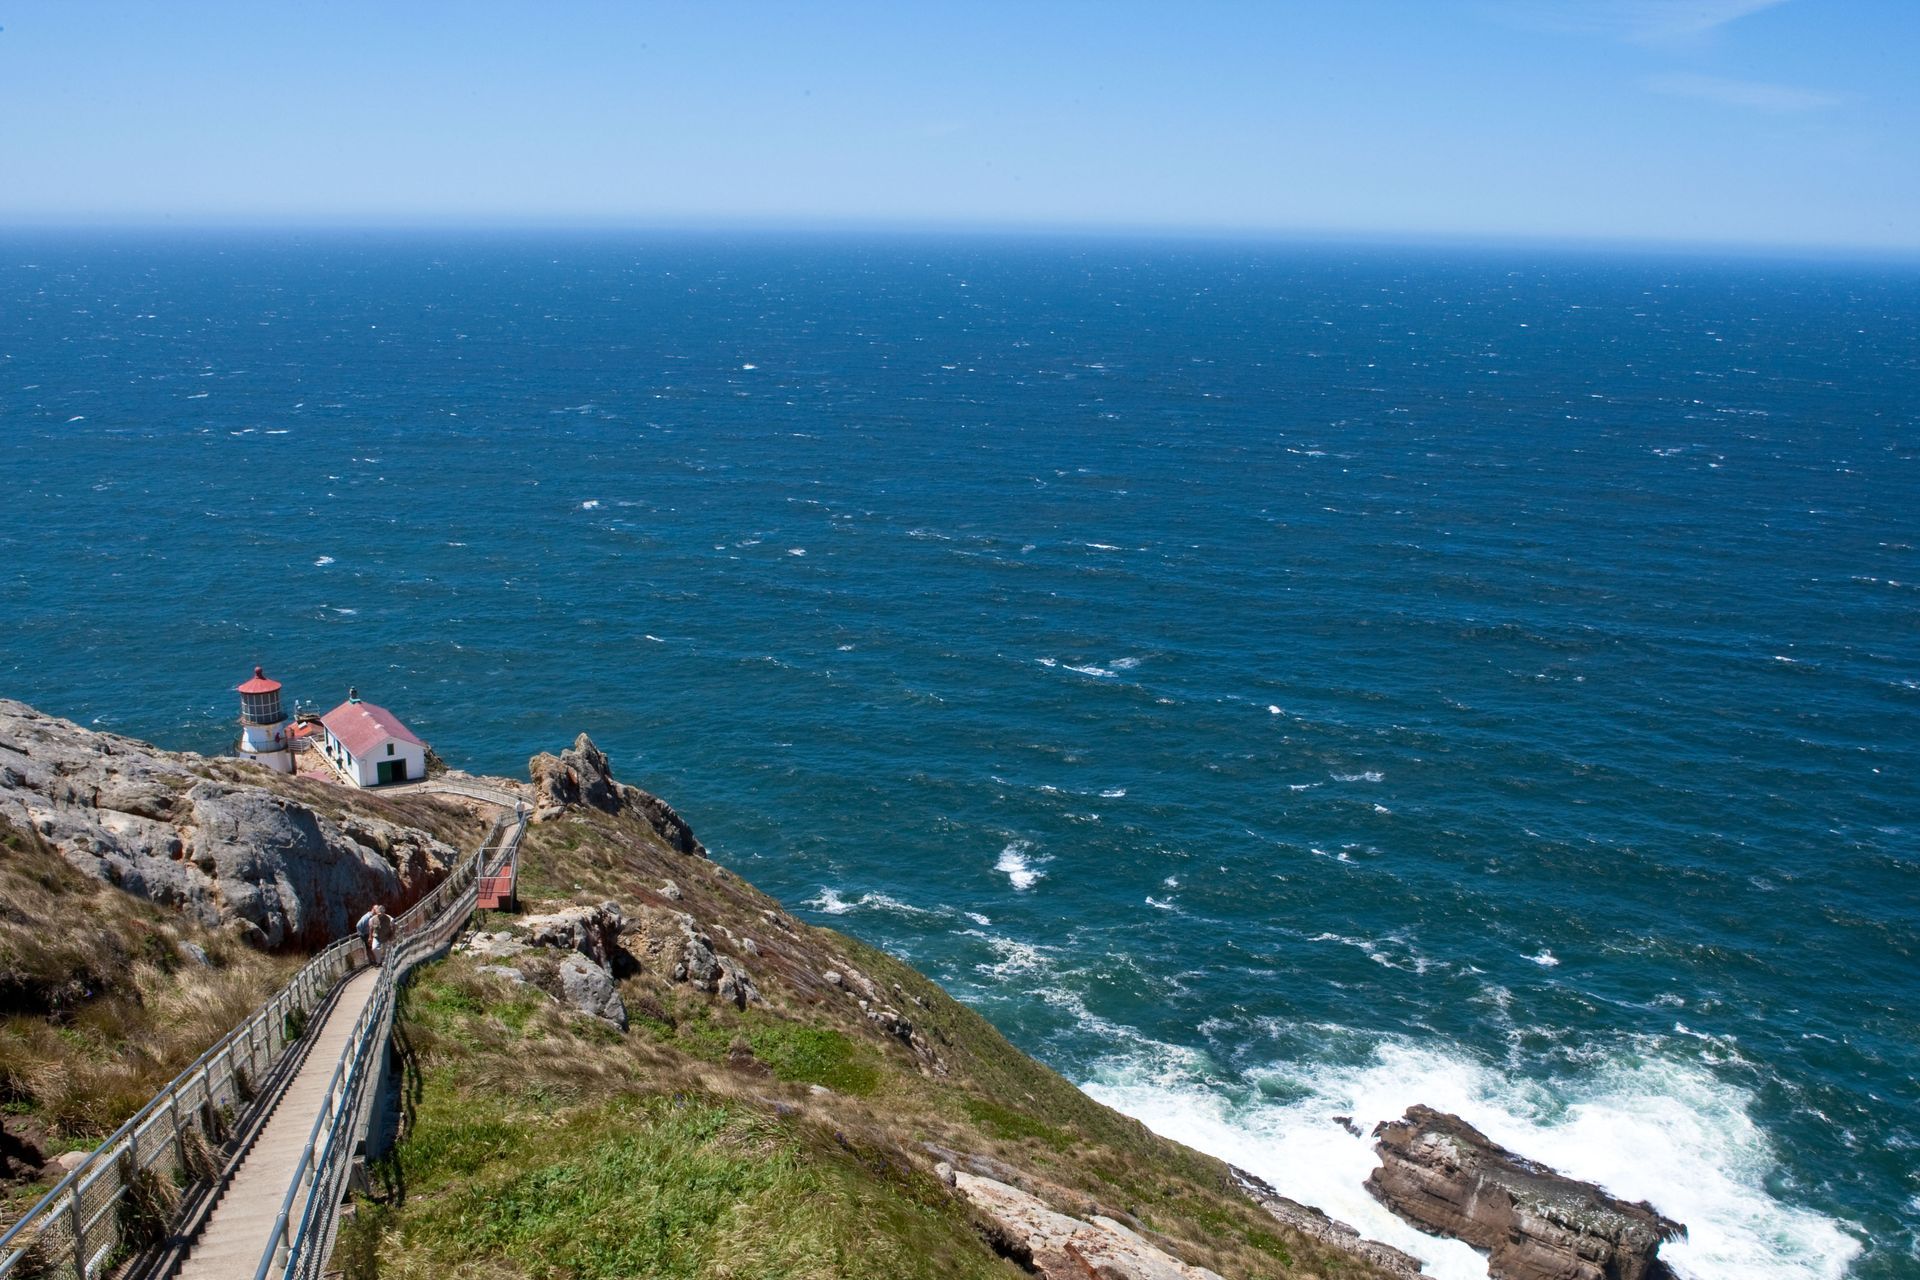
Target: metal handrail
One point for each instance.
(425, 930)
(152, 1143)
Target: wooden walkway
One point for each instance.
(238, 1231)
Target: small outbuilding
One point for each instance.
(370, 745)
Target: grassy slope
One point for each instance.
(544, 1144)
(101, 1003)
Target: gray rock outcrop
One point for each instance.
(589, 988)
(581, 776)
(1445, 1176)
(673, 946)
(581, 976)
(152, 823)
(1057, 1247)
(1317, 1225)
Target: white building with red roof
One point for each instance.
(370, 745)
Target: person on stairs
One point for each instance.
(376, 931)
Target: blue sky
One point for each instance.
(1738, 122)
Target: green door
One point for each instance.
(390, 771)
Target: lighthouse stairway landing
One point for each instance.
(300, 1076)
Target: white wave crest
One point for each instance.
(1016, 866)
(829, 902)
(1644, 1127)
(1371, 775)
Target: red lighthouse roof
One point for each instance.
(259, 684)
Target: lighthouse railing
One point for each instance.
(123, 1196)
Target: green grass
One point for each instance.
(1012, 1126)
(662, 1187)
(794, 1051)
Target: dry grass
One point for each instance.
(101, 1002)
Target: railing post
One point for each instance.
(79, 1224)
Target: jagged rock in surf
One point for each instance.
(1443, 1175)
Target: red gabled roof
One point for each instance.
(362, 726)
(259, 684)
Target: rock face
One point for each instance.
(581, 977)
(580, 775)
(1057, 1247)
(1312, 1222)
(672, 945)
(145, 820)
(1443, 1175)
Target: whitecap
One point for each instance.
(322, 562)
(1113, 793)
(749, 366)
(590, 504)
(1163, 906)
(1046, 662)
(1273, 710)
(655, 639)
(1090, 670)
(1371, 775)
(829, 902)
(977, 918)
(1124, 664)
(1545, 959)
(1016, 866)
(796, 551)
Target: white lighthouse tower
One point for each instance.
(263, 725)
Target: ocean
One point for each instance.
(1272, 682)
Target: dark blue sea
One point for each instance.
(1271, 682)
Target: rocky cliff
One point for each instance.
(289, 862)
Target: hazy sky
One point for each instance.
(1735, 121)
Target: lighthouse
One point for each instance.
(263, 724)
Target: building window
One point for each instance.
(389, 748)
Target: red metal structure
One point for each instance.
(496, 890)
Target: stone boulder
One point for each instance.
(672, 945)
(594, 932)
(154, 824)
(589, 988)
(582, 777)
(1057, 1247)
(582, 976)
(1442, 1175)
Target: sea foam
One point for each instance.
(1642, 1126)
(1016, 866)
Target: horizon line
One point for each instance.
(203, 223)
